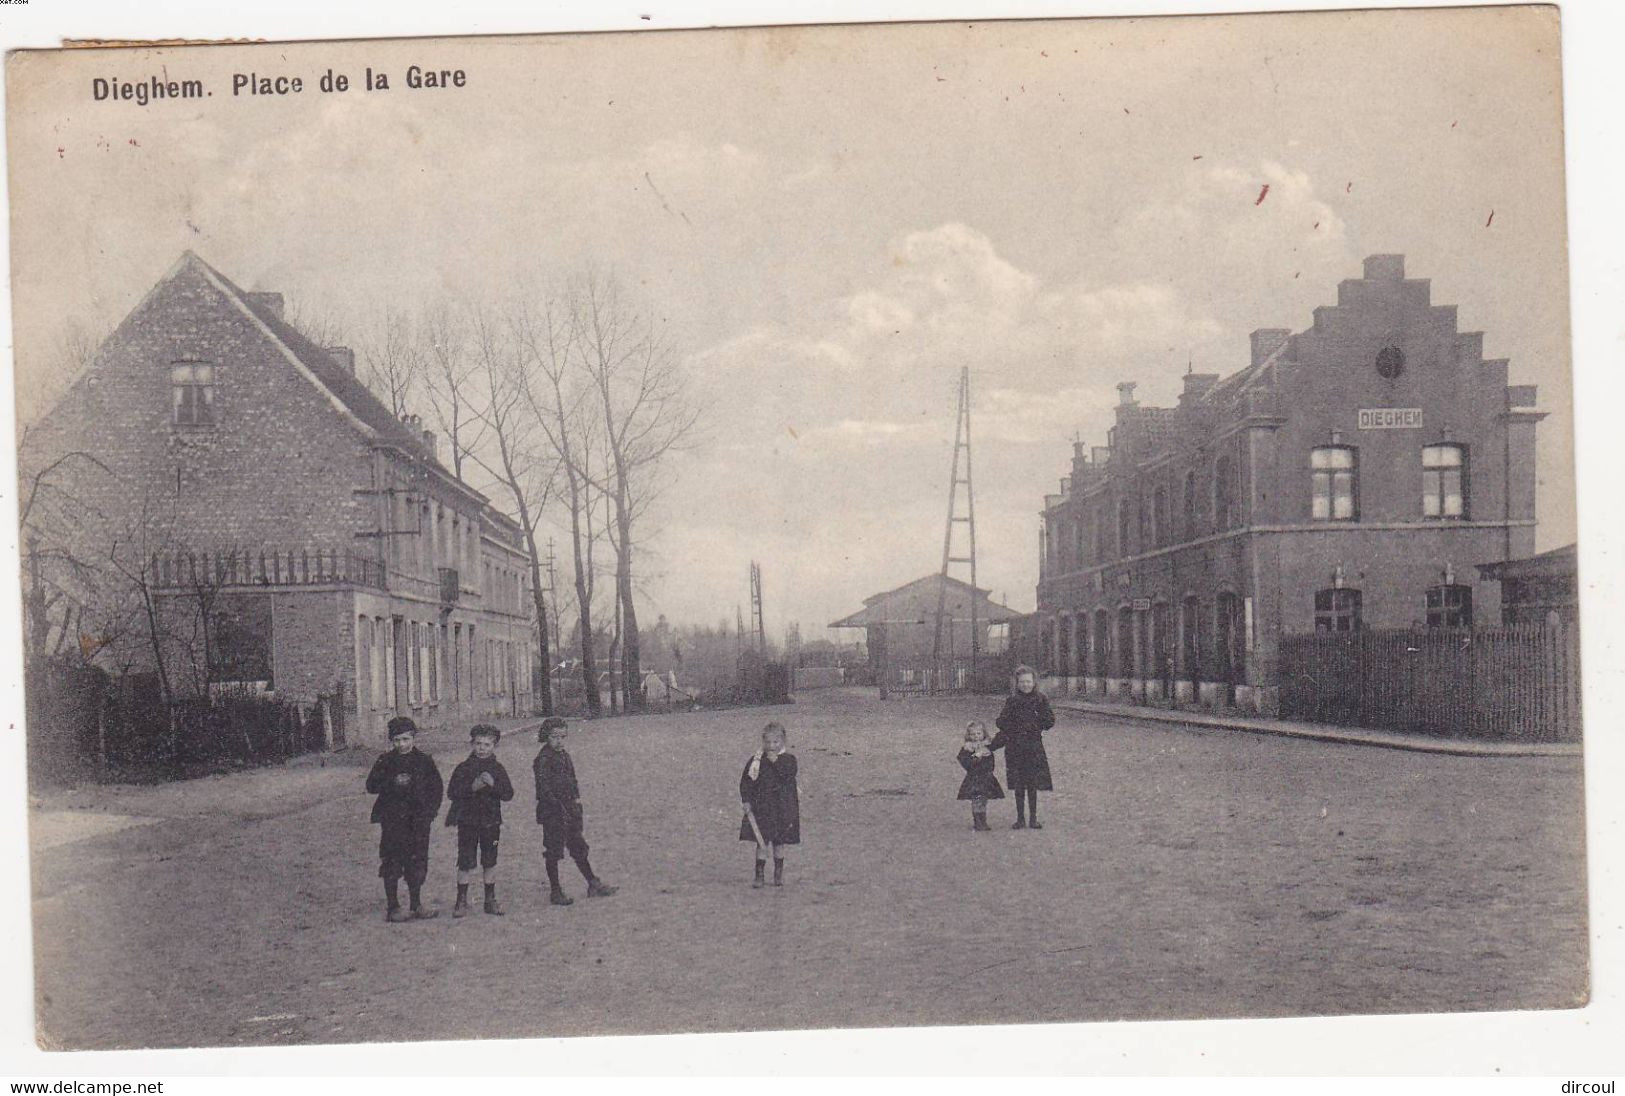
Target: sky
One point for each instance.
(830, 223)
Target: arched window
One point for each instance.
(1333, 471)
(1444, 481)
(1337, 610)
(1450, 606)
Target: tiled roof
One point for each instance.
(335, 376)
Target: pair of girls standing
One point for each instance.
(1022, 723)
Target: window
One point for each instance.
(1077, 543)
(1450, 606)
(1160, 533)
(1124, 528)
(1224, 494)
(1103, 523)
(1332, 472)
(1337, 610)
(1444, 470)
(1190, 505)
(192, 387)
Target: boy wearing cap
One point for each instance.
(558, 809)
(477, 789)
(408, 786)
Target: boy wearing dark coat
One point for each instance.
(477, 789)
(558, 811)
(980, 784)
(408, 786)
(1022, 723)
(772, 803)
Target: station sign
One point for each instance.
(1390, 418)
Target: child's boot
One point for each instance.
(979, 821)
(392, 902)
(761, 875)
(492, 906)
(460, 908)
(597, 888)
(559, 898)
(778, 871)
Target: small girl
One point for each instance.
(979, 784)
(767, 791)
(1022, 723)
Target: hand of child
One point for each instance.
(484, 780)
(403, 779)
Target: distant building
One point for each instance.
(1352, 475)
(338, 556)
(1543, 589)
(901, 626)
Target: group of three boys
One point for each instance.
(409, 790)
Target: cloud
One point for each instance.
(841, 423)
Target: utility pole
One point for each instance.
(553, 597)
(759, 638)
(955, 518)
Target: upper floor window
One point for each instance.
(192, 388)
(1444, 477)
(1337, 610)
(1450, 606)
(1332, 471)
(1125, 527)
(1190, 505)
(1078, 549)
(1160, 533)
(1224, 493)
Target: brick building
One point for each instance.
(1352, 475)
(336, 556)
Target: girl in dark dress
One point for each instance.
(772, 805)
(1022, 723)
(979, 784)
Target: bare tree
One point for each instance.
(393, 360)
(642, 401)
(555, 405)
(321, 328)
(450, 375)
(521, 461)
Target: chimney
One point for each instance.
(1267, 340)
(266, 302)
(1385, 268)
(428, 443)
(1078, 451)
(1125, 394)
(344, 356)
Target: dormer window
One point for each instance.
(192, 392)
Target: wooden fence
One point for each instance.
(1516, 684)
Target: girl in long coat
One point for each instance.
(772, 804)
(1022, 723)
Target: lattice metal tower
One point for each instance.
(955, 519)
